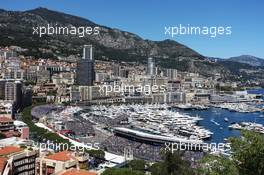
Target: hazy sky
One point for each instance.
(148, 18)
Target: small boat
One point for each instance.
(215, 122)
(226, 119)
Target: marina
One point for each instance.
(189, 106)
(239, 107)
(155, 119)
(209, 125)
(248, 126)
(224, 118)
(147, 128)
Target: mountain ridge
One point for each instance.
(110, 44)
(248, 59)
(44, 16)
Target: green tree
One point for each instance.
(100, 154)
(249, 153)
(139, 165)
(40, 133)
(247, 157)
(2, 136)
(217, 165)
(173, 164)
(23, 146)
(157, 168)
(121, 171)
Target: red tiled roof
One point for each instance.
(11, 134)
(5, 119)
(9, 150)
(61, 156)
(3, 161)
(78, 172)
(6, 115)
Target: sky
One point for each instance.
(148, 19)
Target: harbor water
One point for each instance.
(214, 120)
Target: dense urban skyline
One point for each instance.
(85, 97)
